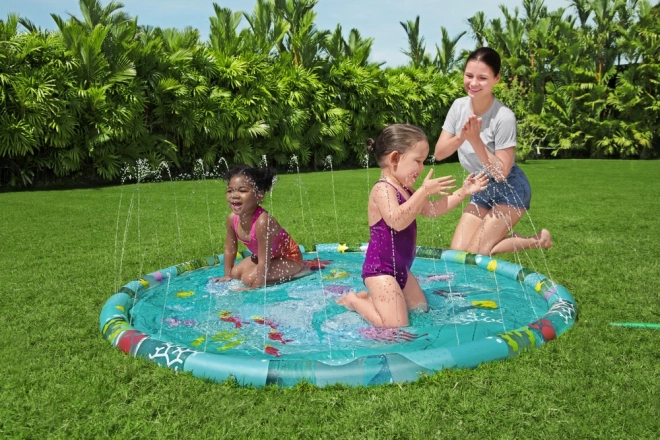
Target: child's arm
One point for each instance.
(231, 247)
(471, 185)
(398, 217)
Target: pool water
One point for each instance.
(301, 318)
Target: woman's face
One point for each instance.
(479, 79)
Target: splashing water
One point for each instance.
(294, 162)
(327, 164)
(165, 165)
(365, 163)
(200, 174)
(218, 170)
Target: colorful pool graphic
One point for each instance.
(480, 310)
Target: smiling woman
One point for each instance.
(483, 131)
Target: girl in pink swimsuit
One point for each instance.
(400, 151)
(276, 257)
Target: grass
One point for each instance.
(63, 255)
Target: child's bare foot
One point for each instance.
(347, 300)
(544, 239)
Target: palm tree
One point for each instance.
(416, 47)
(108, 101)
(267, 28)
(335, 45)
(224, 36)
(303, 41)
(446, 54)
(583, 10)
(536, 25)
(358, 49)
(478, 28)
(511, 40)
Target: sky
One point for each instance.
(377, 19)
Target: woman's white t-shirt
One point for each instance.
(498, 130)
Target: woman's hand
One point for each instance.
(472, 130)
(221, 279)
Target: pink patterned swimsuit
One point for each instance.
(283, 245)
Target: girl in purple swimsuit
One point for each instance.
(276, 257)
(400, 151)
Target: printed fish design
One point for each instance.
(230, 344)
(485, 304)
(264, 321)
(227, 336)
(316, 264)
(277, 336)
(225, 316)
(476, 305)
(334, 274)
(437, 277)
(336, 289)
(224, 335)
(447, 294)
(185, 294)
(272, 350)
(175, 322)
(388, 334)
(197, 342)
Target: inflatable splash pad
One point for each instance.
(480, 309)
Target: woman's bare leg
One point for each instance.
(493, 238)
(495, 227)
(469, 226)
(516, 242)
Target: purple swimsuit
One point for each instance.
(381, 259)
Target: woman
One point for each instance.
(483, 131)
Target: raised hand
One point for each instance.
(475, 183)
(439, 186)
(472, 129)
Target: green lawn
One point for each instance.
(63, 256)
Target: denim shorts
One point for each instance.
(513, 191)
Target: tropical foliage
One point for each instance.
(583, 84)
(102, 90)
